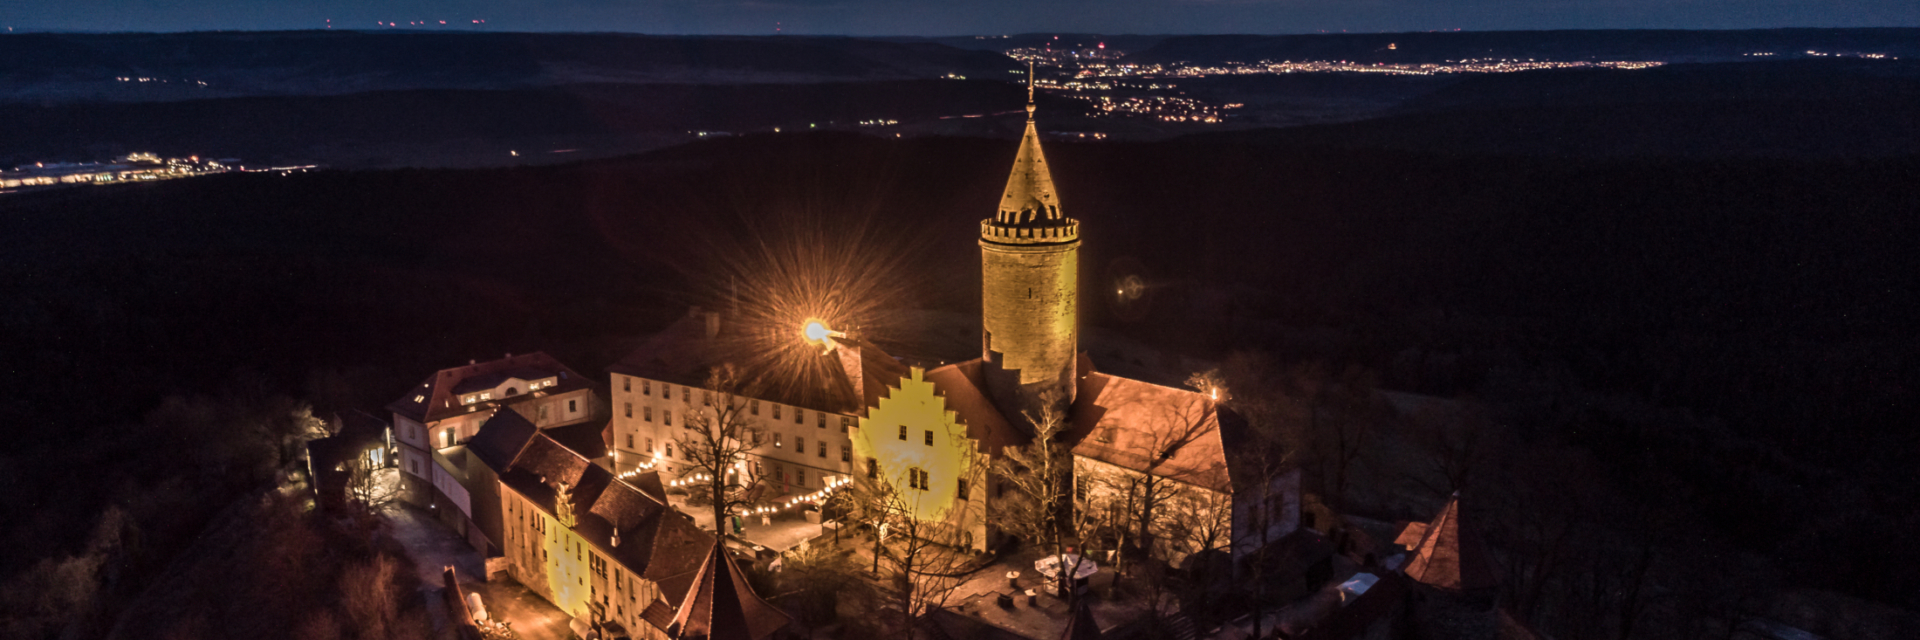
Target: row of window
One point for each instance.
(929, 435)
(706, 398)
(917, 478)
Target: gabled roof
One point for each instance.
(500, 440)
(1451, 554)
(962, 384)
(621, 520)
(1167, 432)
(437, 398)
(720, 605)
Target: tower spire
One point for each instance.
(1029, 199)
(1029, 92)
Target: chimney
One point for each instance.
(713, 324)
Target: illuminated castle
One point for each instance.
(1029, 266)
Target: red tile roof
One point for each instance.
(720, 605)
(962, 384)
(1451, 555)
(437, 397)
(1167, 432)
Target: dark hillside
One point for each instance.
(389, 128)
(76, 67)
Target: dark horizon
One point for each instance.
(873, 19)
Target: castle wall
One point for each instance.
(1030, 313)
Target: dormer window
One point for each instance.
(469, 399)
(419, 399)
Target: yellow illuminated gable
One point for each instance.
(895, 433)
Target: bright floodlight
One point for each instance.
(816, 331)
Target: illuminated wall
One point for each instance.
(916, 406)
(1030, 314)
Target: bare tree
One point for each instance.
(1460, 442)
(1341, 414)
(1263, 457)
(371, 488)
(925, 572)
(716, 442)
(1039, 474)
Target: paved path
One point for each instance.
(434, 547)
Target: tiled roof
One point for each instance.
(720, 605)
(1167, 432)
(436, 398)
(500, 440)
(683, 354)
(962, 384)
(587, 438)
(655, 542)
(1451, 554)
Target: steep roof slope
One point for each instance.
(720, 605)
(1451, 555)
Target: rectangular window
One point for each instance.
(903, 433)
(963, 488)
(646, 413)
(573, 406)
(669, 447)
(820, 450)
(929, 437)
(776, 440)
(799, 445)
(649, 445)
(846, 453)
(846, 424)
(626, 383)
(822, 418)
(799, 415)
(873, 468)
(754, 407)
(776, 412)
(646, 387)
(686, 394)
(446, 437)
(629, 409)
(666, 417)
(629, 441)
(754, 436)
(800, 477)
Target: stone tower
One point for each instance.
(1029, 264)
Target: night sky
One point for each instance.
(923, 17)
